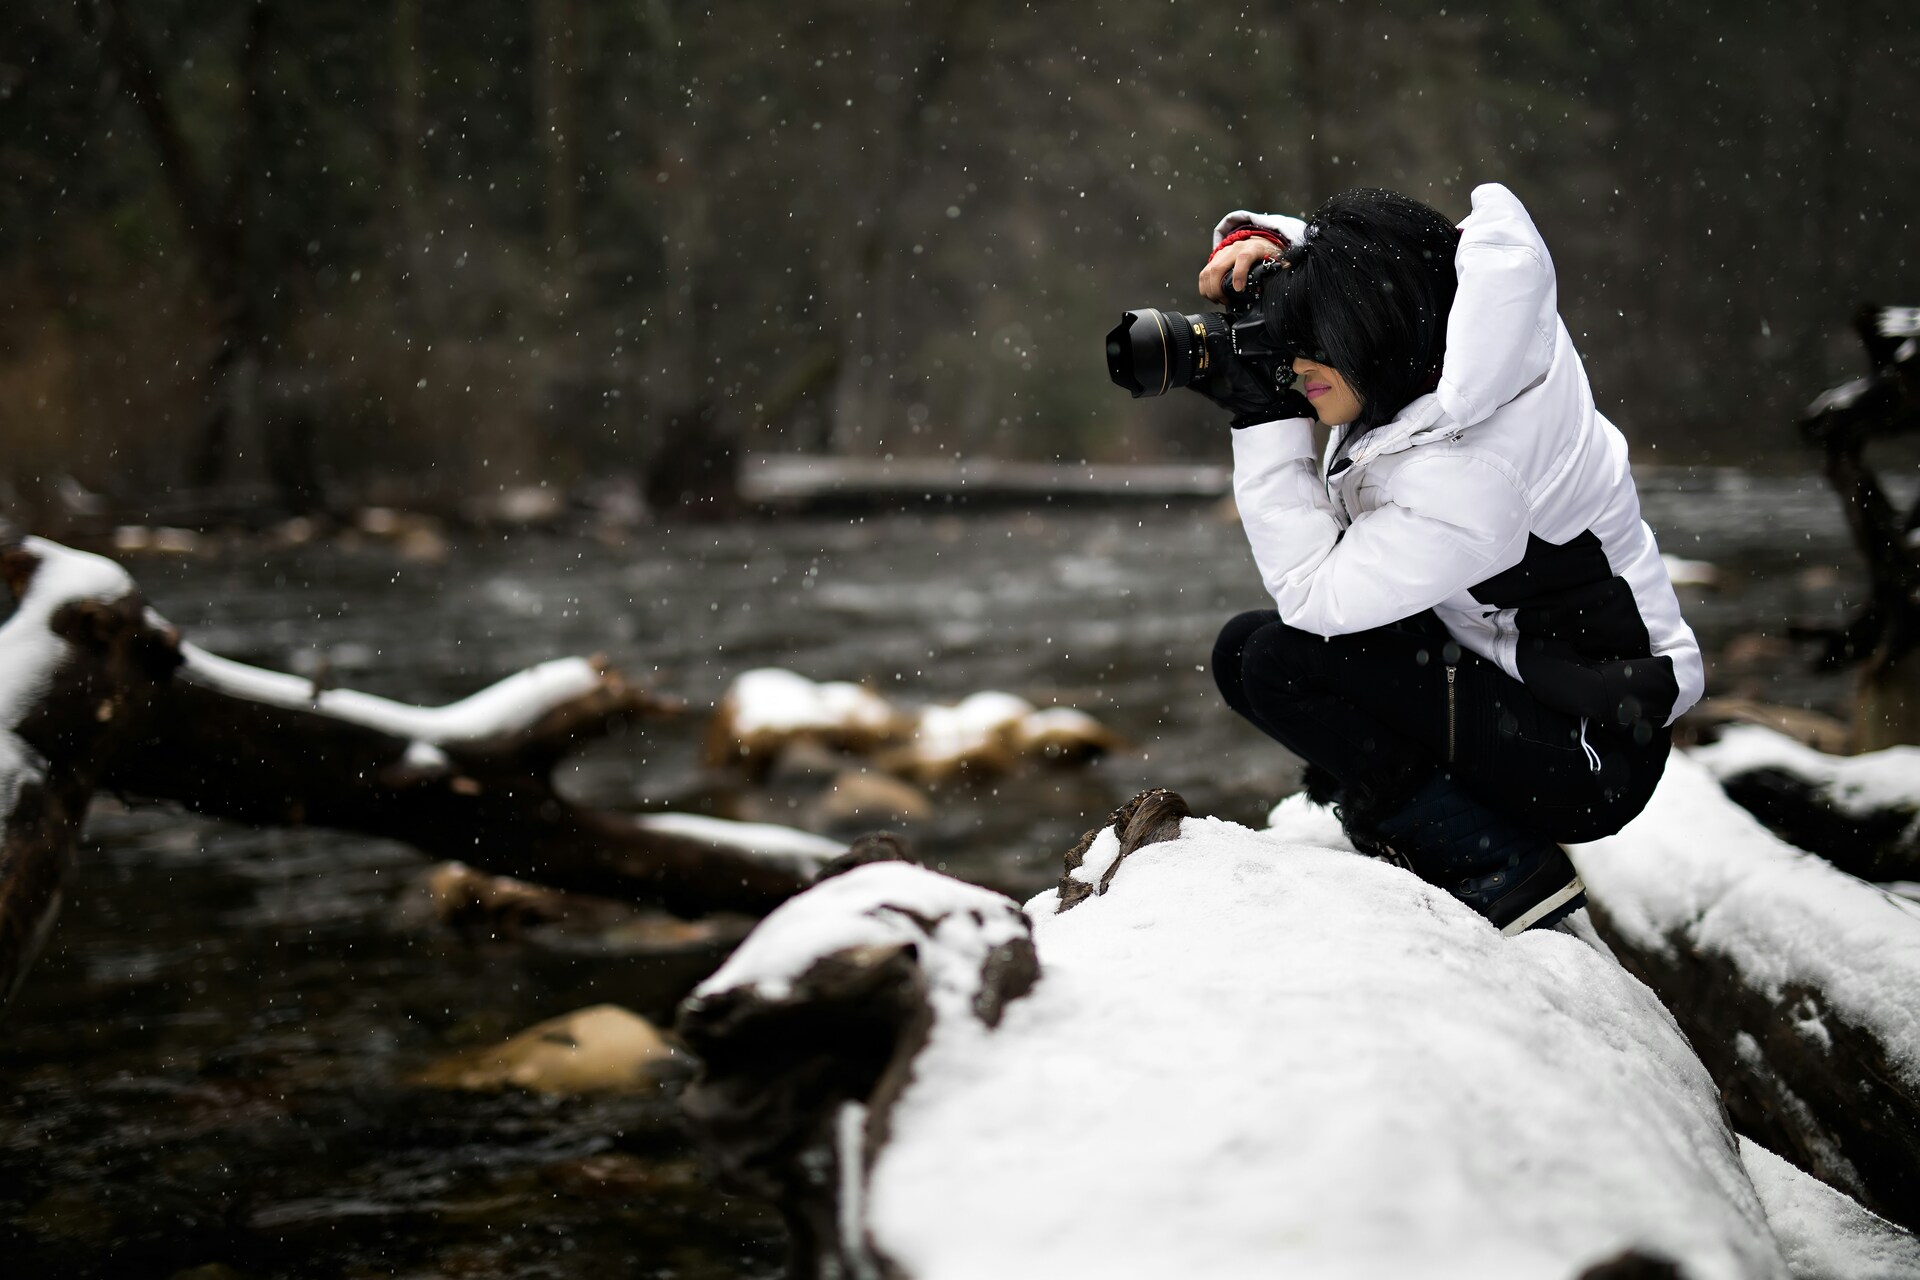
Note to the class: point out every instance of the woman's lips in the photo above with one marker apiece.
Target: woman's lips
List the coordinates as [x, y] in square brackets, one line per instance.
[1315, 390]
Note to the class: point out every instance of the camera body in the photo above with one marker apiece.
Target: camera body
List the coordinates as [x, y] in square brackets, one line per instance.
[1226, 356]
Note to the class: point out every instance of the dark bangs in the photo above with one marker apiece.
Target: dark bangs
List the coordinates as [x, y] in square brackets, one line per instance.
[1367, 293]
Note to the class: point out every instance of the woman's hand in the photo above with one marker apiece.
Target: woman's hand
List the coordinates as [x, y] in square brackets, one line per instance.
[1233, 262]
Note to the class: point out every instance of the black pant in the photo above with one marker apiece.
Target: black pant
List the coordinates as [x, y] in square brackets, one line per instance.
[1374, 710]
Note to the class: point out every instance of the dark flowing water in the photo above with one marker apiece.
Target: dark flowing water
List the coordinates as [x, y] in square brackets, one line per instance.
[207, 1073]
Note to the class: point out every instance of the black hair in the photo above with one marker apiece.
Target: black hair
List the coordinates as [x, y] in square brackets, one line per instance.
[1367, 292]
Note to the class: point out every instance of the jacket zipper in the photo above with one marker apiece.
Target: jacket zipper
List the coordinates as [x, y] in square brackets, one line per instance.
[1451, 672]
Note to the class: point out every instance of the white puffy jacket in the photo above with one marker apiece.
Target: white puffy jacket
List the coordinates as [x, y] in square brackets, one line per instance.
[1501, 500]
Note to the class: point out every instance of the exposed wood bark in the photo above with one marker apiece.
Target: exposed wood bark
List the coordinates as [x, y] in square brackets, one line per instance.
[1884, 636]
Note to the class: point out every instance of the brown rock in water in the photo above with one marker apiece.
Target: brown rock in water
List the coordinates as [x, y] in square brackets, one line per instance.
[600, 1049]
[481, 906]
[856, 794]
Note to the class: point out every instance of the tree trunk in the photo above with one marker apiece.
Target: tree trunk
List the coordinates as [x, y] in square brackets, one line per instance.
[1885, 635]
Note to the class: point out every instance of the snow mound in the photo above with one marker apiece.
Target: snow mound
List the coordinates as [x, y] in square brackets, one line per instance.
[1257, 1055]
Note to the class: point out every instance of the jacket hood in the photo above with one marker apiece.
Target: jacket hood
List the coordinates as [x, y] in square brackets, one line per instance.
[1500, 332]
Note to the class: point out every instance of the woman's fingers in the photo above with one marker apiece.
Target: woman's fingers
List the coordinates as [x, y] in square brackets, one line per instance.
[1233, 263]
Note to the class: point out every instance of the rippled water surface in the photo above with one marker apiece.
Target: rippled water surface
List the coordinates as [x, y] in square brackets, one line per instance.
[207, 1072]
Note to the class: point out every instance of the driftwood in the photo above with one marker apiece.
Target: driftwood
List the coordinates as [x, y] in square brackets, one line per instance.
[1883, 637]
[1794, 983]
[96, 691]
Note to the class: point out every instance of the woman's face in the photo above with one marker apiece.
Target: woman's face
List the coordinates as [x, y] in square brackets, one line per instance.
[1334, 402]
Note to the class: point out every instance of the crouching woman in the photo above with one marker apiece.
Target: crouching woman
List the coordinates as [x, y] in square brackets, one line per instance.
[1474, 645]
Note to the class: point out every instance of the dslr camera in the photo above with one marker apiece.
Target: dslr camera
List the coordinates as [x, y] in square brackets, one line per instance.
[1234, 358]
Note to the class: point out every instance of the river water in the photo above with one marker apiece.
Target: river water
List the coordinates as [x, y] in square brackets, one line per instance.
[208, 1071]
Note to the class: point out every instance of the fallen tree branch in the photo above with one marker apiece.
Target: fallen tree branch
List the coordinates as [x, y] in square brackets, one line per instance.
[97, 691]
[471, 781]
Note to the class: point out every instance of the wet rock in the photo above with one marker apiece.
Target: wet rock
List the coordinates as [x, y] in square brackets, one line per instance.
[599, 1049]
[805, 761]
[856, 795]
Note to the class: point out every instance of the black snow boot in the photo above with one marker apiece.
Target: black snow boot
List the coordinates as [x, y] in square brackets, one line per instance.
[1450, 838]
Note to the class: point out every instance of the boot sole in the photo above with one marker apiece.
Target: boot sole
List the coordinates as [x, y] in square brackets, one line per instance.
[1554, 902]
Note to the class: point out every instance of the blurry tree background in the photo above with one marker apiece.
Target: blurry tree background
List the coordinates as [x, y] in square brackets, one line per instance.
[418, 250]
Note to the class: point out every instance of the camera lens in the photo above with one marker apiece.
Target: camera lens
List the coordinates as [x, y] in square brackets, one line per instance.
[1151, 351]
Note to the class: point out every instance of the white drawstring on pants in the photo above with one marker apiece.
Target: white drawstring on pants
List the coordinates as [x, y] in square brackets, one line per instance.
[1593, 757]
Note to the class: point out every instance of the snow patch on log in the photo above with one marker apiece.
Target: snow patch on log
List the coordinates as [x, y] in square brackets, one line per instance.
[29, 650]
[1823, 1234]
[1230, 1044]
[1696, 870]
[1858, 785]
[799, 851]
[510, 706]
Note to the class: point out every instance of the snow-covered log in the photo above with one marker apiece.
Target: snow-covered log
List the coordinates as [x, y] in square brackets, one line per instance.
[80, 662]
[1799, 985]
[95, 689]
[1861, 813]
[1245, 1053]
[471, 781]
[1823, 1234]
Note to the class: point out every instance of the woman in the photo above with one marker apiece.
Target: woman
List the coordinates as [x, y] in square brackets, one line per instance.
[1474, 635]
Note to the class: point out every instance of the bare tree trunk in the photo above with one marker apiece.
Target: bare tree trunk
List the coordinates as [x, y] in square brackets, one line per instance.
[555, 50]
[1885, 636]
[919, 55]
[239, 440]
